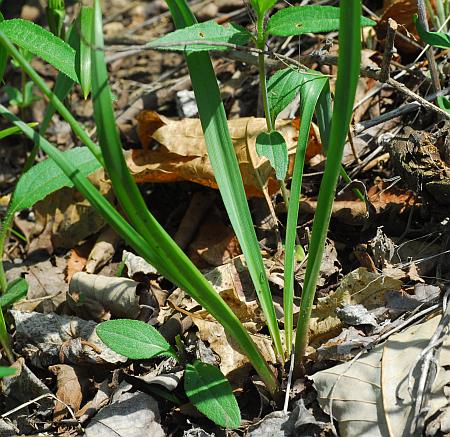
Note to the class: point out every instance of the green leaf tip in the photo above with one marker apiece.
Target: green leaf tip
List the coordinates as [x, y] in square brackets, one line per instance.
[133, 339]
[297, 20]
[273, 146]
[211, 393]
[435, 39]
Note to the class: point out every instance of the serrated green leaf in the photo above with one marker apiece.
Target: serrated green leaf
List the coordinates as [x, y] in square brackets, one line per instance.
[435, 39]
[7, 371]
[282, 88]
[297, 20]
[15, 291]
[207, 31]
[46, 177]
[133, 339]
[273, 146]
[211, 393]
[42, 43]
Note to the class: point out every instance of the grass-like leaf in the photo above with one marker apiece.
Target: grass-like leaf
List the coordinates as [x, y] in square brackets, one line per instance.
[211, 393]
[3, 55]
[347, 79]
[297, 20]
[273, 146]
[435, 39]
[226, 169]
[7, 371]
[207, 31]
[15, 291]
[310, 91]
[83, 25]
[42, 43]
[282, 87]
[166, 256]
[133, 339]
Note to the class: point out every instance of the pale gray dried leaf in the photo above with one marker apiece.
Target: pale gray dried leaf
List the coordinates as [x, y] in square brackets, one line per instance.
[24, 386]
[355, 315]
[118, 296]
[8, 429]
[131, 415]
[103, 250]
[135, 264]
[298, 422]
[345, 346]
[169, 381]
[43, 338]
[371, 395]
[46, 284]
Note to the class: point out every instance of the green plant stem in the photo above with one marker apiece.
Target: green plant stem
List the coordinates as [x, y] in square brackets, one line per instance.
[226, 169]
[261, 42]
[348, 72]
[4, 339]
[26, 67]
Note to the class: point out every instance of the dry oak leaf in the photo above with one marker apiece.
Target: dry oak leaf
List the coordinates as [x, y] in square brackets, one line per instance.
[181, 154]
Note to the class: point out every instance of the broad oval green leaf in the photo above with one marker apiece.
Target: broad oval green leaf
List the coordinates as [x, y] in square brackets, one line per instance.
[46, 177]
[435, 39]
[273, 146]
[133, 339]
[297, 20]
[42, 43]
[191, 38]
[15, 291]
[211, 393]
[7, 371]
[282, 87]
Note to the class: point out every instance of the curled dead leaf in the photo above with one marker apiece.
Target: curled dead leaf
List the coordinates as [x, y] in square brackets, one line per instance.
[181, 153]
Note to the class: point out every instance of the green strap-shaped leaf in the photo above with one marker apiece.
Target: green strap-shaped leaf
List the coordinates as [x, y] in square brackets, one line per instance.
[435, 39]
[15, 291]
[211, 393]
[282, 88]
[208, 31]
[347, 79]
[83, 25]
[297, 20]
[273, 146]
[133, 339]
[226, 169]
[309, 94]
[3, 56]
[443, 103]
[42, 43]
[7, 371]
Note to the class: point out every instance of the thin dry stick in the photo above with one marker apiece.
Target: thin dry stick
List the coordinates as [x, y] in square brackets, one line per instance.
[427, 371]
[421, 9]
[389, 50]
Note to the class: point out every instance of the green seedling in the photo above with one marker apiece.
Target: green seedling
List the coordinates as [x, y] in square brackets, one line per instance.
[204, 384]
[141, 230]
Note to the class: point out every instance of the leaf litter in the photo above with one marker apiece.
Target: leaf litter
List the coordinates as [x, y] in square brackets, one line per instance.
[403, 248]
